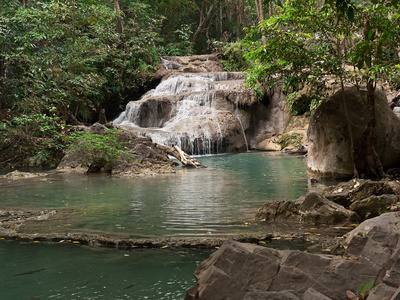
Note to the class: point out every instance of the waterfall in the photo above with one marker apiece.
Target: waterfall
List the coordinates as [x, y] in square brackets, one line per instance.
[185, 109]
[244, 134]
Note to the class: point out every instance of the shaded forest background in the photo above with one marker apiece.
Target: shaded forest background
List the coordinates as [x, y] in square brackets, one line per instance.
[64, 61]
[77, 56]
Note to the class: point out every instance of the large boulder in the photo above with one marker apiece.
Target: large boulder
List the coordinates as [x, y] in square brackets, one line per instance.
[246, 271]
[269, 117]
[329, 153]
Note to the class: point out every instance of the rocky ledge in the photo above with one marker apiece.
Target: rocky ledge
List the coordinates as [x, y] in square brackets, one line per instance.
[343, 204]
[246, 271]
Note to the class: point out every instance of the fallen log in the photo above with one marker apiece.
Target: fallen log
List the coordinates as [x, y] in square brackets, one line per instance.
[183, 157]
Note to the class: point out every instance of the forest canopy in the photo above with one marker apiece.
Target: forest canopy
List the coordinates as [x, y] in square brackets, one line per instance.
[82, 55]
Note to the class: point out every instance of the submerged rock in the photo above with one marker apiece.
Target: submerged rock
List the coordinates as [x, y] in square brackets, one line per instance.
[246, 271]
[22, 175]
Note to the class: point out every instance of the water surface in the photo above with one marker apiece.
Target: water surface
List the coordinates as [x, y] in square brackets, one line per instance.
[221, 199]
[53, 271]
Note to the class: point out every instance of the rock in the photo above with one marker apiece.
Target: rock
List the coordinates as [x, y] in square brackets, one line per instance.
[313, 208]
[22, 175]
[374, 205]
[396, 111]
[319, 210]
[345, 193]
[376, 240]
[269, 117]
[279, 210]
[328, 134]
[270, 144]
[246, 271]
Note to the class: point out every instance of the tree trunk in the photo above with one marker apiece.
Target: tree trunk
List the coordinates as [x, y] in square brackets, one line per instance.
[181, 156]
[120, 27]
[260, 14]
[205, 16]
[241, 20]
[366, 161]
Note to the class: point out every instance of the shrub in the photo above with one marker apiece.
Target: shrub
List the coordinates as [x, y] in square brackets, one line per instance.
[293, 138]
[97, 151]
[231, 56]
[36, 140]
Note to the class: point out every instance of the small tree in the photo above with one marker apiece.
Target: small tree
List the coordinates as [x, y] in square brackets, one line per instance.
[97, 151]
[306, 41]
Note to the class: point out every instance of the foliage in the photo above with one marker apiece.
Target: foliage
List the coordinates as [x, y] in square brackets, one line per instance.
[306, 42]
[37, 139]
[182, 45]
[297, 46]
[231, 56]
[287, 139]
[96, 151]
[69, 54]
[365, 288]
[304, 103]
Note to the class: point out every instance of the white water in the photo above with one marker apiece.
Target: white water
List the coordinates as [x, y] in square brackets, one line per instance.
[182, 110]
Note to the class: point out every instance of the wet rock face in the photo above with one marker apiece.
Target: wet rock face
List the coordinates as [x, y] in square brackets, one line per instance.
[328, 134]
[246, 271]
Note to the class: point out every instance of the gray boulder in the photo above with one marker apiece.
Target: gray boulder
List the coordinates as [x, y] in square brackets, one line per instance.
[374, 206]
[313, 208]
[246, 271]
[328, 134]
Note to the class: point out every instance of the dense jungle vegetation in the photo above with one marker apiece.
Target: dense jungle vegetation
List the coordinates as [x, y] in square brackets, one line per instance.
[62, 61]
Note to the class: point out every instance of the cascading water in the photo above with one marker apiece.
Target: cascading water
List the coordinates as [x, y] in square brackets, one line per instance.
[186, 110]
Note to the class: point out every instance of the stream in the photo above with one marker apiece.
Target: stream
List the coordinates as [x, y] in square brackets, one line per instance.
[219, 200]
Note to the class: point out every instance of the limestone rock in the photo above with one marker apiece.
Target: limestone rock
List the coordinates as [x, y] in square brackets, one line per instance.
[22, 175]
[246, 271]
[278, 210]
[269, 117]
[313, 208]
[346, 193]
[270, 144]
[373, 206]
[328, 134]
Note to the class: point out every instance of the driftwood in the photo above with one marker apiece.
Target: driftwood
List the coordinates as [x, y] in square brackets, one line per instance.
[183, 157]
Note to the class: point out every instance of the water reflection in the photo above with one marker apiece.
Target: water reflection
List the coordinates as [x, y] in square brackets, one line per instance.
[221, 199]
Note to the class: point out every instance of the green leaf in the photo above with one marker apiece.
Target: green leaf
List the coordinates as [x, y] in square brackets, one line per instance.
[379, 51]
[368, 61]
[366, 287]
[360, 63]
[350, 14]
